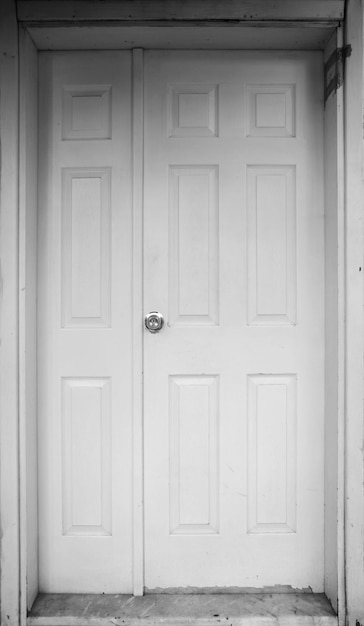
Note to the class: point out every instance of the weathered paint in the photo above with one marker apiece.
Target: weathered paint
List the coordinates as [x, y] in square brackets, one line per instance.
[175, 11]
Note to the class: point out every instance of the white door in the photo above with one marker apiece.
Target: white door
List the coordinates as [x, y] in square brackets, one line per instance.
[234, 261]
[233, 399]
[85, 358]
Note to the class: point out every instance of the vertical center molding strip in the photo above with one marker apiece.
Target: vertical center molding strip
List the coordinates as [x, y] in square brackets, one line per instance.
[137, 326]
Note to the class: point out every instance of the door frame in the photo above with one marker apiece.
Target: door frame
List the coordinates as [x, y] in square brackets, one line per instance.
[18, 202]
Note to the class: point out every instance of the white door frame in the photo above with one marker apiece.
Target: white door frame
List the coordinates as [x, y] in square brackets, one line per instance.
[17, 409]
[354, 253]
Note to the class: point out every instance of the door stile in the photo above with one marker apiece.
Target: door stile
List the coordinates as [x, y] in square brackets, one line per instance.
[137, 328]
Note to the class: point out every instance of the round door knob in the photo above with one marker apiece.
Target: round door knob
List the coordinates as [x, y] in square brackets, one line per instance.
[154, 322]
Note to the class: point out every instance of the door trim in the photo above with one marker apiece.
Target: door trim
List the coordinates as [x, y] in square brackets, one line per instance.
[334, 339]
[10, 454]
[354, 302]
[9, 296]
[138, 517]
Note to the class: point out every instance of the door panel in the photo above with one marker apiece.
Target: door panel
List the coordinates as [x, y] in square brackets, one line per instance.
[84, 364]
[234, 260]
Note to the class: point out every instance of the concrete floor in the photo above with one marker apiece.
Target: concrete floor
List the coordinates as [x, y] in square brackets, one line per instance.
[232, 609]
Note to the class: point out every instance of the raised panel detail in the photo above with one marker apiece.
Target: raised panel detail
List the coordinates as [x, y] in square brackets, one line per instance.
[272, 453]
[86, 248]
[194, 467]
[86, 112]
[271, 111]
[192, 110]
[193, 245]
[271, 244]
[86, 456]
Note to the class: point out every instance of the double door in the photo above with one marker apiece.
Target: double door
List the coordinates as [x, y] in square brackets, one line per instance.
[233, 383]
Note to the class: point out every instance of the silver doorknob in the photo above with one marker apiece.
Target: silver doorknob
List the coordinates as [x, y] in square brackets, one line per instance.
[154, 322]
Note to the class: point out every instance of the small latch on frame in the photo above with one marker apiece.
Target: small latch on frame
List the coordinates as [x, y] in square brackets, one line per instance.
[334, 70]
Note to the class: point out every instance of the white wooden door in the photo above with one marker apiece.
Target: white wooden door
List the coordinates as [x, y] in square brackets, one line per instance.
[233, 399]
[234, 382]
[84, 338]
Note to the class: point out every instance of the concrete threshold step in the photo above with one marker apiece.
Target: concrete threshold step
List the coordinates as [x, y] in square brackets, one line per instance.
[218, 609]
